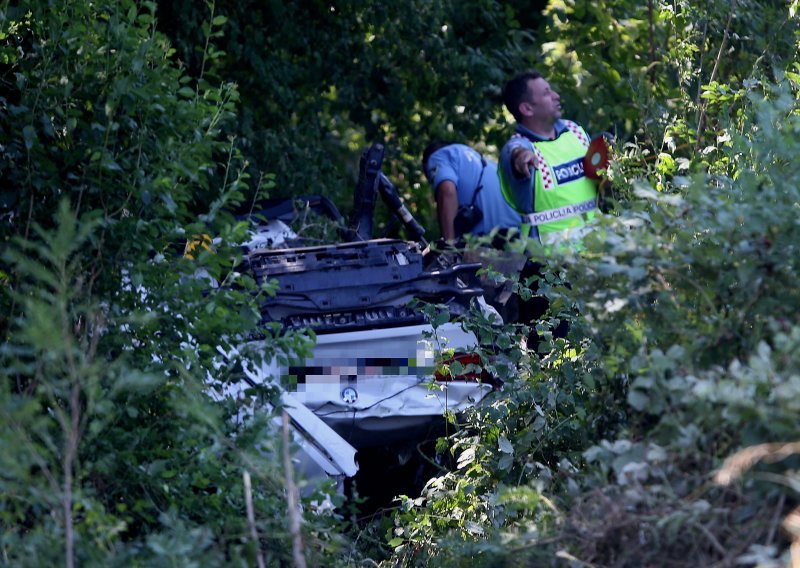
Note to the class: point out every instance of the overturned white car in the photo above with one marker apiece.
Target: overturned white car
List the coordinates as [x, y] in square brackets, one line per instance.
[377, 380]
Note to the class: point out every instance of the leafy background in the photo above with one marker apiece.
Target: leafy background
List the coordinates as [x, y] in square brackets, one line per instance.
[663, 428]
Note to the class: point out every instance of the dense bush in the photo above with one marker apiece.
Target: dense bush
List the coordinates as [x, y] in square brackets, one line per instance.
[682, 354]
[622, 445]
[118, 449]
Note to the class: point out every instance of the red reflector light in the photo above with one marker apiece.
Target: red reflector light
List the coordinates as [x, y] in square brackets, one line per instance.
[474, 373]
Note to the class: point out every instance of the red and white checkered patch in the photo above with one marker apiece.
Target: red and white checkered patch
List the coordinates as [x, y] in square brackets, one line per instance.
[547, 176]
[577, 131]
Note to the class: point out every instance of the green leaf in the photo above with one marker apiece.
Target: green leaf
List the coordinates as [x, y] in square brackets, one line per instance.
[638, 400]
[29, 135]
[466, 458]
[441, 318]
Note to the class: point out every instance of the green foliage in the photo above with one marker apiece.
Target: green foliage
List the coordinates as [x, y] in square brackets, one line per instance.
[682, 346]
[320, 81]
[122, 443]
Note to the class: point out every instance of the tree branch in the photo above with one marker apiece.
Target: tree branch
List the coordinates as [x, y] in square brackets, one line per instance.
[251, 517]
[291, 497]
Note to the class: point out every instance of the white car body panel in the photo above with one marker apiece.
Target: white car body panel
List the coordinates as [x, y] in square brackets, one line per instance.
[375, 385]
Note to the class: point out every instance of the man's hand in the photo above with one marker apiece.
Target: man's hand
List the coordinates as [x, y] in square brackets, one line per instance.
[522, 161]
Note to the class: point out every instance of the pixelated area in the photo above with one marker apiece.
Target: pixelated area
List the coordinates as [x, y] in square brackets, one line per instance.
[345, 370]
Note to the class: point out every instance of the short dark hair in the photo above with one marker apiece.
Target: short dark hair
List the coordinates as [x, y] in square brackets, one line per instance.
[516, 90]
[431, 148]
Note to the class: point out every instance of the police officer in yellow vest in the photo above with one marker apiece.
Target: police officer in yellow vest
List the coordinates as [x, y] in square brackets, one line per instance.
[541, 166]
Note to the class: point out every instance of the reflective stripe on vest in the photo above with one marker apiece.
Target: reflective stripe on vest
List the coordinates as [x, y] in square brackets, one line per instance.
[559, 206]
[559, 213]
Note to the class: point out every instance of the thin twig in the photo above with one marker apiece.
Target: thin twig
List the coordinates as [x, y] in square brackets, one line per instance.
[776, 520]
[429, 459]
[651, 18]
[697, 100]
[251, 517]
[213, 6]
[700, 123]
[70, 451]
[291, 497]
[711, 538]
[256, 193]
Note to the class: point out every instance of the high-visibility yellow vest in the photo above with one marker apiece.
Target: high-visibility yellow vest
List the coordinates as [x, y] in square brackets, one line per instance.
[564, 198]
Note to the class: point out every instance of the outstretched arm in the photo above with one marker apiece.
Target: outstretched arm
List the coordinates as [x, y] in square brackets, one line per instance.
[518, 188]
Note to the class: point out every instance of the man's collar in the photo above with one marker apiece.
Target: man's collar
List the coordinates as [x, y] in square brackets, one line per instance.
[560, 126]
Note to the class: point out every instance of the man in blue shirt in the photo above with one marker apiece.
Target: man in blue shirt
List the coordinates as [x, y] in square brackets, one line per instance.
[460, 176]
